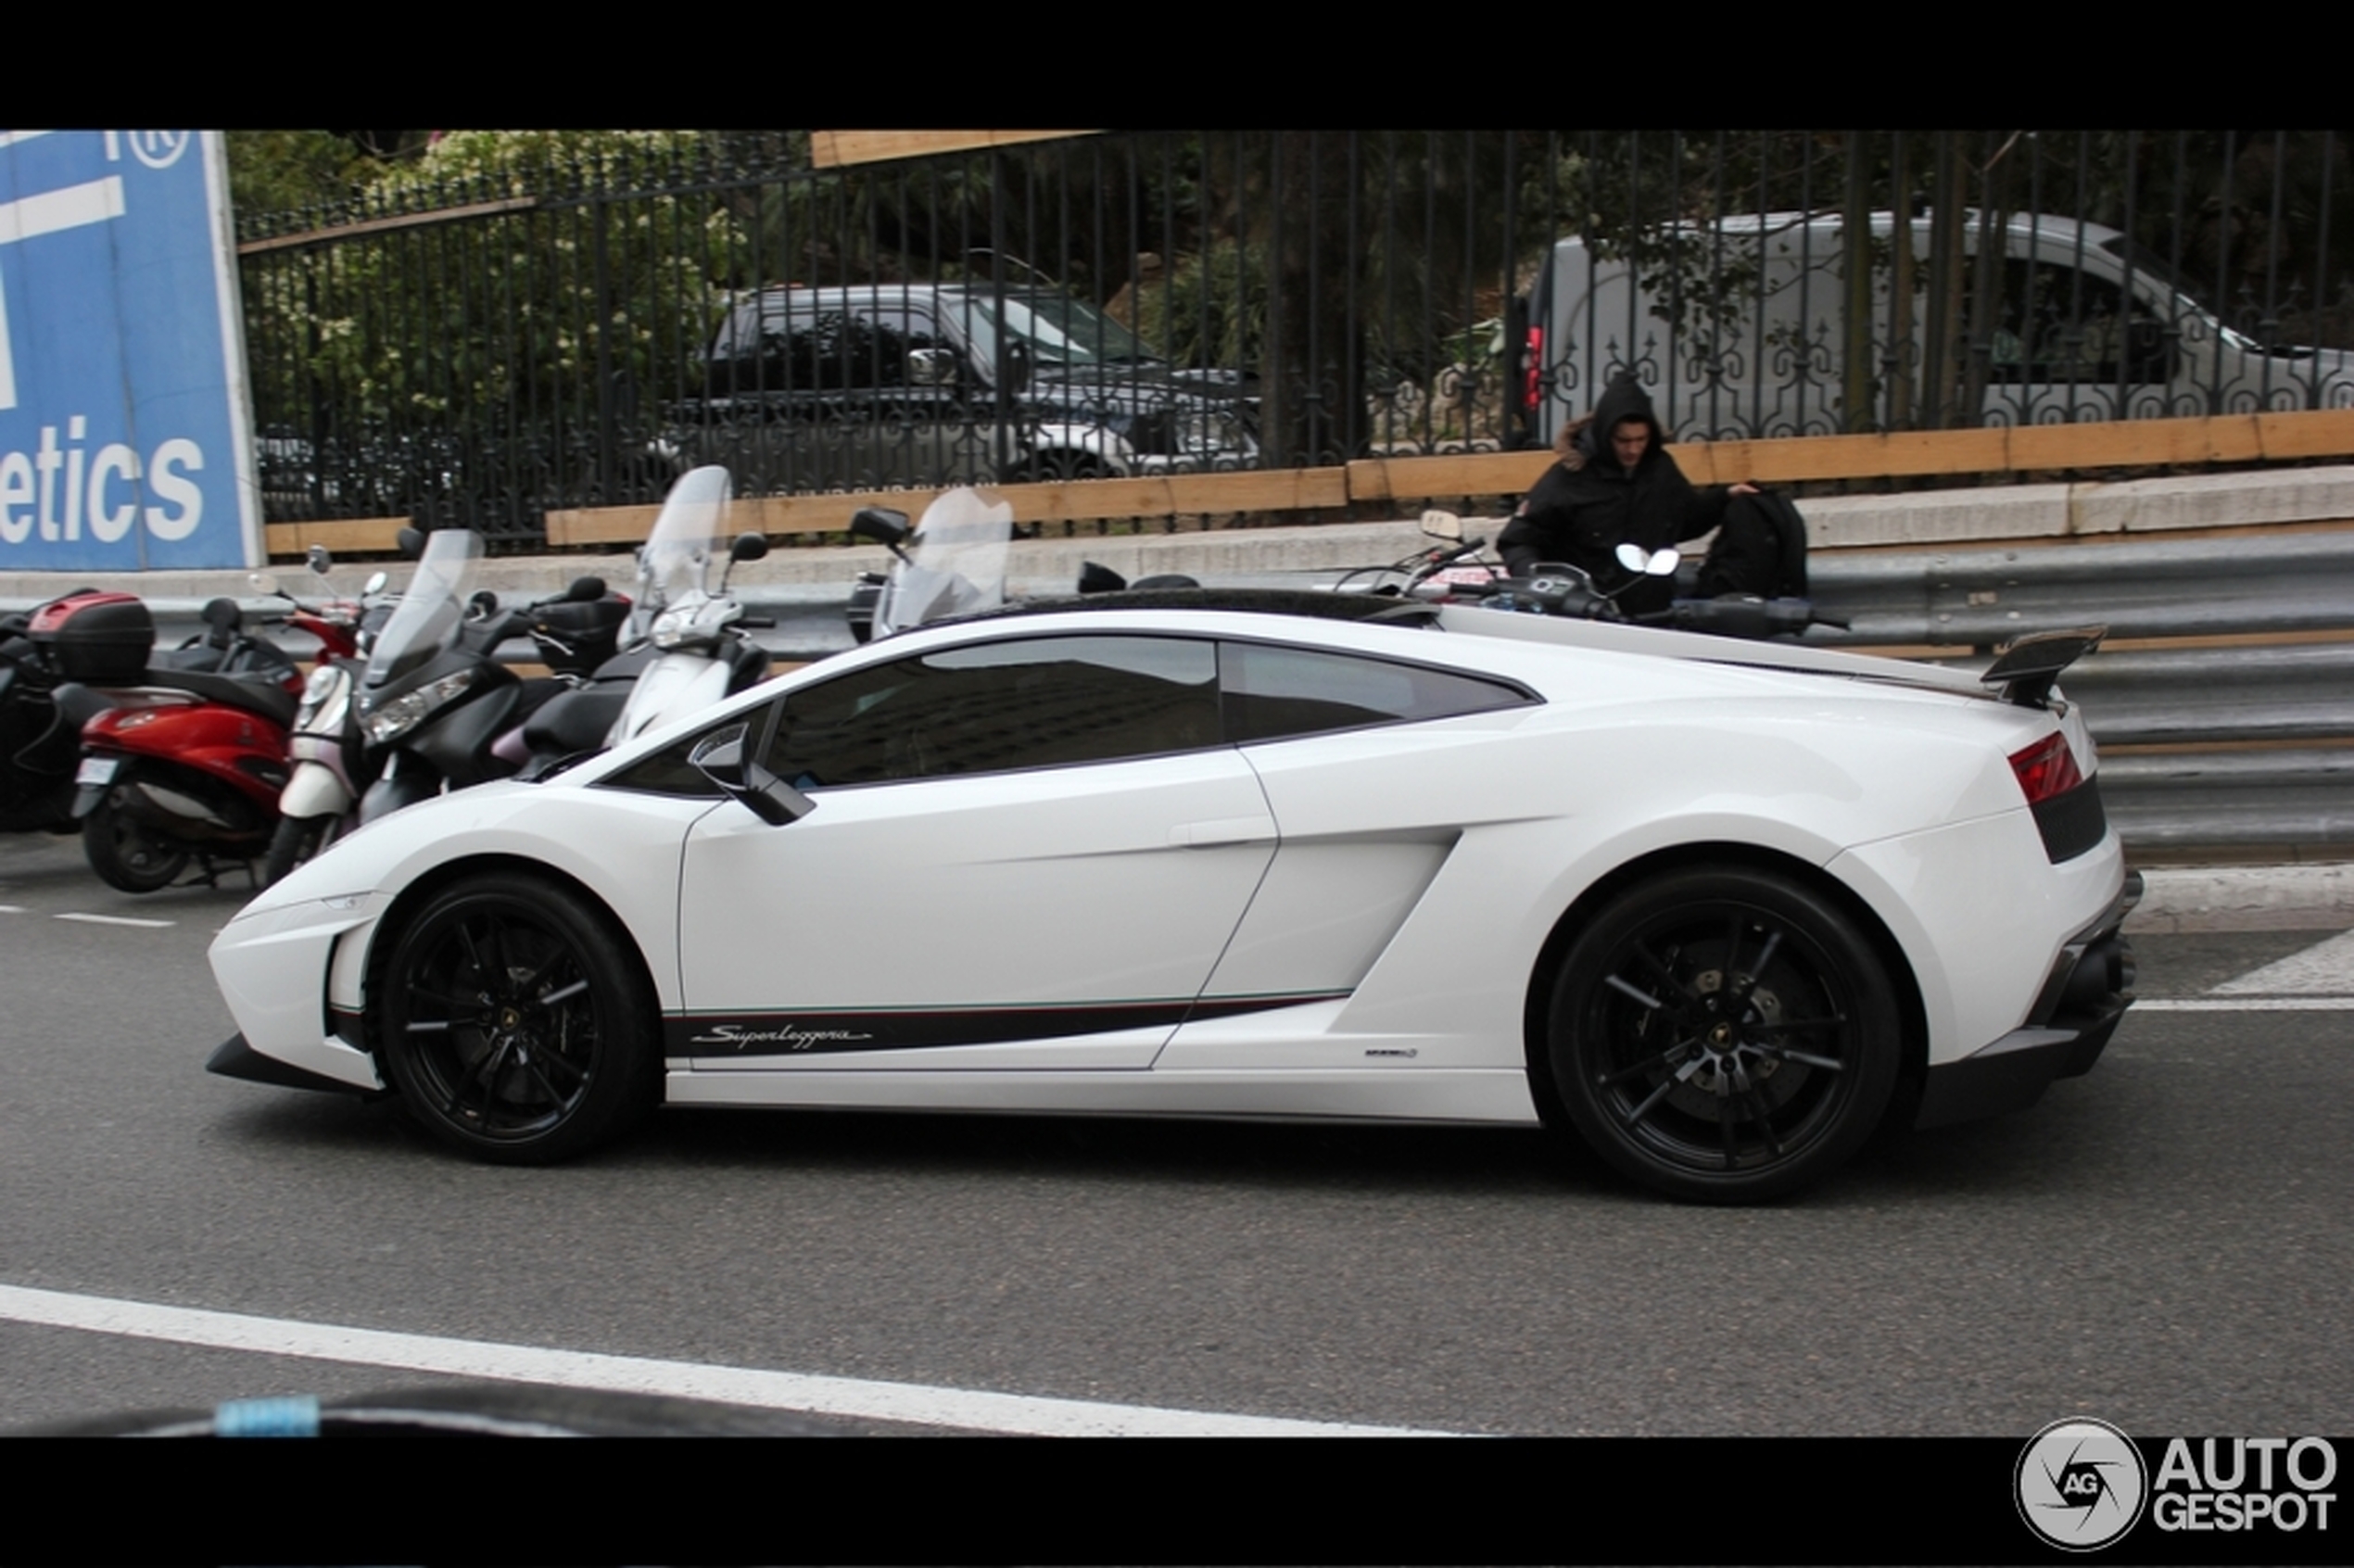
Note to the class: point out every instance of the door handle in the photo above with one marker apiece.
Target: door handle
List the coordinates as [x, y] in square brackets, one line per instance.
[1224, 830]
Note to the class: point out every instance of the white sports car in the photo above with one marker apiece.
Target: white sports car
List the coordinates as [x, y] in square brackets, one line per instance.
[1719, 909]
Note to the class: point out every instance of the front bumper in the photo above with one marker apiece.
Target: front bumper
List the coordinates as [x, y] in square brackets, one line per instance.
[2090, 986]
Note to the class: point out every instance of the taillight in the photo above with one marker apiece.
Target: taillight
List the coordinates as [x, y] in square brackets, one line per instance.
[2047, 769]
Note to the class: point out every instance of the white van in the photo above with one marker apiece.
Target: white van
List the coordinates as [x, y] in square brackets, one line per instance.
[1742, 336]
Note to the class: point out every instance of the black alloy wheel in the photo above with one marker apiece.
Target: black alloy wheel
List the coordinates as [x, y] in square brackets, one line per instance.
[516, 1025]
[1724, 1035]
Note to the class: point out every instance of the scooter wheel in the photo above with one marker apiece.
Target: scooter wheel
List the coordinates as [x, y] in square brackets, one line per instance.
[126, 853]
[295, 839]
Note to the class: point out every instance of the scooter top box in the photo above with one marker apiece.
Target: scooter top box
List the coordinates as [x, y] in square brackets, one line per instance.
[94, 637]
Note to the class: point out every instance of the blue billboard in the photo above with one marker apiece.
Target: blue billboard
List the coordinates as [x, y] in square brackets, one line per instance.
[125, 439]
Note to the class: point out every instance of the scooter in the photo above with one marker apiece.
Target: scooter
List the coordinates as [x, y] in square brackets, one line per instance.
[187, 762]
[435, 700]
[51, 659]
[323, 755]
[692, 647]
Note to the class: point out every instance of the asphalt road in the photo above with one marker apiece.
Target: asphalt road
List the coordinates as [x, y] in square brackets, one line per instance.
[2162, 1244]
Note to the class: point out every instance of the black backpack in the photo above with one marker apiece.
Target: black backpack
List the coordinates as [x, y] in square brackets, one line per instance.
[1761, 548]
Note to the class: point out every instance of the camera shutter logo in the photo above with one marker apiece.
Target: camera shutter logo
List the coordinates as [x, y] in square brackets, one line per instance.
[2080, 1484]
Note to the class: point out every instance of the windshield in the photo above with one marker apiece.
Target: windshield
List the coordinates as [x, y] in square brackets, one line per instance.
[955, 562]
[686, 537]
[431, 608]
[1058, 330]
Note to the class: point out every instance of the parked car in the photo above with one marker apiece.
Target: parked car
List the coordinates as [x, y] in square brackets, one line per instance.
[1721, 911]
[1740, 327]
[945, 384]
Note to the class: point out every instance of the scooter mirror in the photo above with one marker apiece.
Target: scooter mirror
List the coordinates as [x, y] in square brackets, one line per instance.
[320, 560]
[264, 582]
[749, 547]
[1648, 564]
[883, 524]
[1440, 523]
[411, 542]
[375, 584]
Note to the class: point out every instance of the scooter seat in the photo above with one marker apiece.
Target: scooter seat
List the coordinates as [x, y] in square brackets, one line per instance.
[259, 696]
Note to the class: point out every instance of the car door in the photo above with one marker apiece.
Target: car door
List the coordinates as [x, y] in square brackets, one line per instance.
[1028, 851]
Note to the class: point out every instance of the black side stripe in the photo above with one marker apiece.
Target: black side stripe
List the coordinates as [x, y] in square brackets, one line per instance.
[805, 1033]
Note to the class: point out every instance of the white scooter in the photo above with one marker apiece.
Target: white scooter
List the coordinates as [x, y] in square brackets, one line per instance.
[691, 648]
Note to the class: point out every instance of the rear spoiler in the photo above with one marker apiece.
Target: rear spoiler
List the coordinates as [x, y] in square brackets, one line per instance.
[2024, 672]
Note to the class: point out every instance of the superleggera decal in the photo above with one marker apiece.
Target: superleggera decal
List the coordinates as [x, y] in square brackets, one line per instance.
[779, 1034]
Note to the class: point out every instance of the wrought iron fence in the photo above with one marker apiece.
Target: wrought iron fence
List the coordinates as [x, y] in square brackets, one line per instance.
[483, 345]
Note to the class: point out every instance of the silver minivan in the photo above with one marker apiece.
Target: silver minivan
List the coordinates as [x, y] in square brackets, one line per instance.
[1737, 329]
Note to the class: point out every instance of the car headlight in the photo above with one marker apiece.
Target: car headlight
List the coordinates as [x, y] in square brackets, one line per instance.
[407, 711]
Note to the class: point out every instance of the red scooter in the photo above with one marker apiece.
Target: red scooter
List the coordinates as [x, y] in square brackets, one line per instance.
[187, 764]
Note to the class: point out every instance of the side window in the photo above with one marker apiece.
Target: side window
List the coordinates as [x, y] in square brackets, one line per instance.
[1029, 702]
[2062, 325]
[1272, 692]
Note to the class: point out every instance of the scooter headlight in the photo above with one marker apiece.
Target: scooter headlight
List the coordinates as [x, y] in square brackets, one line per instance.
[407, 711]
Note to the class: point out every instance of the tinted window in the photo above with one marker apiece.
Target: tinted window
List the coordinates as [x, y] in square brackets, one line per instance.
[1031, 702]
[1272, 692]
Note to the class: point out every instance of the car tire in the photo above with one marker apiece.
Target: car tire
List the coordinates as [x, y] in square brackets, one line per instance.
[126, 853]
[515, 1024]
[1724, 1035]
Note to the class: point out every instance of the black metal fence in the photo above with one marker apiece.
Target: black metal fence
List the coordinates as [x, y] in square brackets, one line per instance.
[500, 331]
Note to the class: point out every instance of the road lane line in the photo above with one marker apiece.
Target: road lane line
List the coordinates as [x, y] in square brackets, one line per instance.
[117, 920]
[2324, 969]
[2244, 1004]
[1017, 1413]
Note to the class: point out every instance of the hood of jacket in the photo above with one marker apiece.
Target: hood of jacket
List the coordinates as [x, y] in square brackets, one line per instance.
[1623, 399]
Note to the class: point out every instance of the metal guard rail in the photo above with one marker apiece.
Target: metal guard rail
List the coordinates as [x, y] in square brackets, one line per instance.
[2248, 745]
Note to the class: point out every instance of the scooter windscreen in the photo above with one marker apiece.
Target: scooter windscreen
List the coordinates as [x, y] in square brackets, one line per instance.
[687, 538]
[431, 609]
[954, 564]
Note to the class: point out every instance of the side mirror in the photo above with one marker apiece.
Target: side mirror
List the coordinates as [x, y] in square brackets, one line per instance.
[320, 560]
[748, 547]
[1648, 564]
[1095, 577]
[411, 542]
[482, 605]
[931, 367]
[265, 582]
[222, 615]
[720, 758]
[1442, 525]
[880, 525]
[375, 584]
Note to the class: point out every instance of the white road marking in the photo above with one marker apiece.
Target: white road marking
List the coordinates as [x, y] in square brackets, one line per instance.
[117, 920]
[963, 1409]
[12, 909]
[2324, 969]
[2244, 1004]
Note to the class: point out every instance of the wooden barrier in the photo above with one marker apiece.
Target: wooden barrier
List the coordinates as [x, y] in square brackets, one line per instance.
[2244, 437]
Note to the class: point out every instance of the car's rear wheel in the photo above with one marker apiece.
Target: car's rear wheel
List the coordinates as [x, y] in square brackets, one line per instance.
[1724, 1034]
[515, 1024]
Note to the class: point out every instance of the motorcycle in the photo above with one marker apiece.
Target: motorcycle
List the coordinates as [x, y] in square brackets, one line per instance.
[952, 562]
[185, 763]
[435, 699]
[691, 651]
[323, 755]
[52, 658]
[1556, 589]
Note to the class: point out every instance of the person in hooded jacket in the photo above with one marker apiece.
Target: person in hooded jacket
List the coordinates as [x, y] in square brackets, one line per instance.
[1614, 484]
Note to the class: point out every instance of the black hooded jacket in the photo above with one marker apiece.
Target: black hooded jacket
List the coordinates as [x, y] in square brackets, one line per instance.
[1585, 506]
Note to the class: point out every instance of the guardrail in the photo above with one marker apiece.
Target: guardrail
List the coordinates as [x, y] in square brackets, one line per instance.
[2224, 702]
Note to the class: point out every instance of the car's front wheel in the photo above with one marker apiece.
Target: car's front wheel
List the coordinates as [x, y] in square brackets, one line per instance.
[516, 1025]
[1724, 1034]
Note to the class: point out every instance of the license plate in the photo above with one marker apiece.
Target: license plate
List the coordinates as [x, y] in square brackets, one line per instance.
[98, 770]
